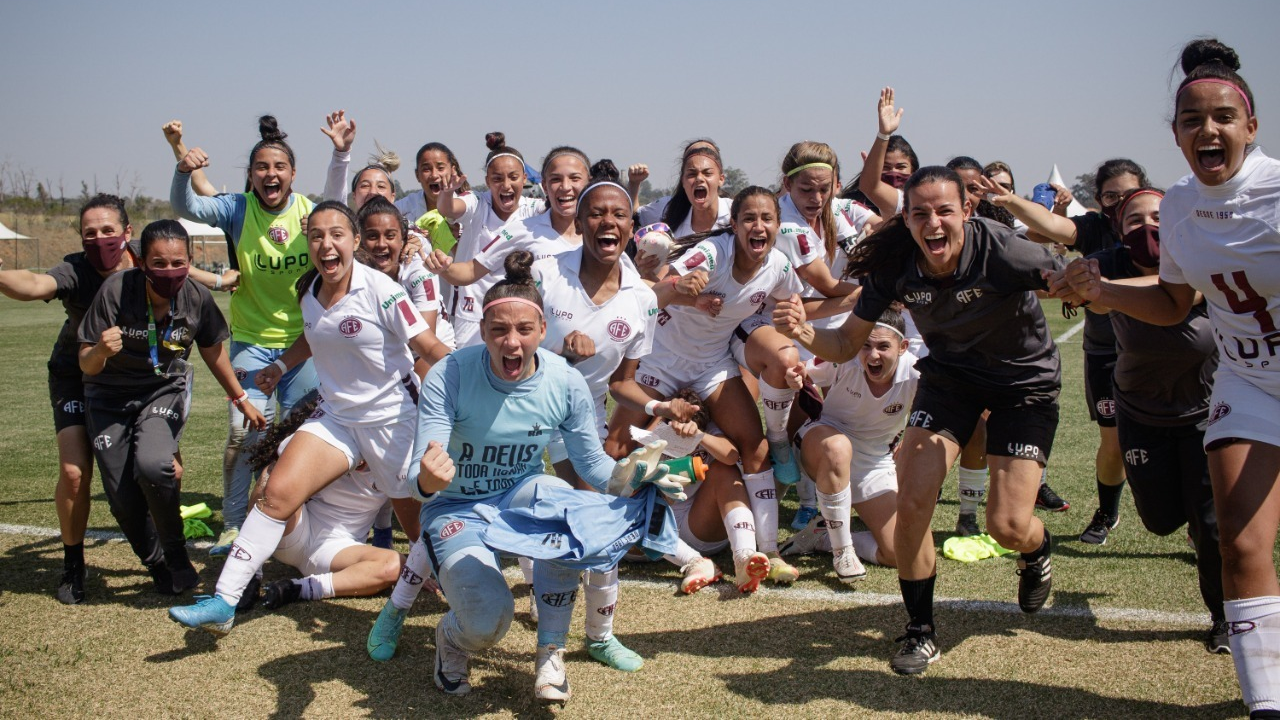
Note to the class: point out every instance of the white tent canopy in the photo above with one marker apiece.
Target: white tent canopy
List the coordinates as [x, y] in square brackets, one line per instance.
[195, 229]
[7, 234]
[1075, 208]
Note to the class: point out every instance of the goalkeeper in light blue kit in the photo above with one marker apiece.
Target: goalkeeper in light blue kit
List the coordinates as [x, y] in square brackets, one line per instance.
[484, 418]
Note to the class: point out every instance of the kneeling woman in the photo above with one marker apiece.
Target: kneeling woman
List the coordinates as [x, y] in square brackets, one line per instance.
[135, 341]
[487, 415]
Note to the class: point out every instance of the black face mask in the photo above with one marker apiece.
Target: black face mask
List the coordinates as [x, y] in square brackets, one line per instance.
[1143, 244]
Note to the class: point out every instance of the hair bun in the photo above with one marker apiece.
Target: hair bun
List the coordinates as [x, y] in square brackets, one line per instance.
[495, 141]
[605, 170]
[1207, 51]
[386, 158]
[518, 266]
[269, 129]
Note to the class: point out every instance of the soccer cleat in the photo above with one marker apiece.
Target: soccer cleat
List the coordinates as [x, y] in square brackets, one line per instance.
[847, 565]
[71, 590]
[749, 573]
[252, 592]
[1035, 580]
[452, 673]
[1099, 527]
[919, 650]
[210, 613]
[967, 525]
[550, 684]
[382, 538]
[781, 572]
[1216, 642]
[223, 546]
[803, 516]
[161, 578]
[785, 468]
[1047, 499]
[613, 653]
[697, 575]
[808, 540]
[283, 592]
[385, 633]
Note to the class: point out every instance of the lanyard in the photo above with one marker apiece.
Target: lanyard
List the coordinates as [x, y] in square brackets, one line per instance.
[152, 337]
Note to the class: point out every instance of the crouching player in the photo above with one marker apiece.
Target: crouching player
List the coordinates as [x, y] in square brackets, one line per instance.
[848, 448]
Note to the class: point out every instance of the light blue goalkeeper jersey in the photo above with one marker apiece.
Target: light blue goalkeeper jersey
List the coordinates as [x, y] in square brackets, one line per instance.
[496, 431]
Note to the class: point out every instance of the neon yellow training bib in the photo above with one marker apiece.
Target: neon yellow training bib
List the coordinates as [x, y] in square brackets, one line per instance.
[272, 252]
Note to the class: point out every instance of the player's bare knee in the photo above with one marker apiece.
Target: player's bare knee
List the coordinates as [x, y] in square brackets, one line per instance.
[1008, 530]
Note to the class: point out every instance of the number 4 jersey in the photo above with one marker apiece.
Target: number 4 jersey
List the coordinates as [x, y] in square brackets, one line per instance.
[1224, 241]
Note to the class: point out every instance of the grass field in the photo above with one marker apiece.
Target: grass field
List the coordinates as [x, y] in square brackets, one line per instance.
[1121, 637]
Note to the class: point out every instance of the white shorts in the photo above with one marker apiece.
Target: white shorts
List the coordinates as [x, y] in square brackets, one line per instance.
[738, 340]
[870, 476]
[1240, 409]
[681, 511]
[311, 546]
[556, 449]
[386, 449]
[667, 374]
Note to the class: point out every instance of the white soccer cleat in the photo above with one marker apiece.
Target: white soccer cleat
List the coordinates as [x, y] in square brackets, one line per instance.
[697, 575]
[550, 684]
[781, 572]
[748, 573]
[847, 565]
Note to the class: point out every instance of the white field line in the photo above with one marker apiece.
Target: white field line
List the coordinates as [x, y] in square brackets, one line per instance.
[1070, 332]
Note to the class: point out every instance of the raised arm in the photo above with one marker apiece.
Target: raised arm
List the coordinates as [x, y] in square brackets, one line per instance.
[173, 134]
[1042, 224]
[342, 132]
[882, 194]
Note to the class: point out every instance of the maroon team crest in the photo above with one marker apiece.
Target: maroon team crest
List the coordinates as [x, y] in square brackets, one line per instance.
[695, 260]
[278, 234]
[451, 528]
[757, 298]
[803, 240]
[893, 408]
[619, 330]
[350, 326]
[1220, 411]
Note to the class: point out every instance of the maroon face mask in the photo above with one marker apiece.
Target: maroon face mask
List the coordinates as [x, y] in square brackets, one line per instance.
[1109, 213]
[897, 180]
[104, 253]
[1143, 244]
[166, 281]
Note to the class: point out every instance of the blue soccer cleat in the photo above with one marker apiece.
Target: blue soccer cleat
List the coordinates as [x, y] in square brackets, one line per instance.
[385, 634]
[785, 468]
[210, 613]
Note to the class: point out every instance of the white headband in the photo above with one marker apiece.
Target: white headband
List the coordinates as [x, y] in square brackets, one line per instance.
[892, 328]
[505, 154]
[602, 183]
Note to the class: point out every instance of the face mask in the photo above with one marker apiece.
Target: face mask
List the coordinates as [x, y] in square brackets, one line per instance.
[897, 180]
[1143, 244]
[166, 281]
[104, 253]
[1109, 213]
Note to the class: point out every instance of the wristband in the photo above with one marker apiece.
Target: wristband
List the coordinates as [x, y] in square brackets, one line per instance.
[217, 283]
[649, 407]
[280, 364]
[238, 401]
[882, 136]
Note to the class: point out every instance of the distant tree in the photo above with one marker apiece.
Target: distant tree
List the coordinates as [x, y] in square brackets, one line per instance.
[649, 193]
[735, 180]
[1082, 189]
[84, 191]
[41, 194]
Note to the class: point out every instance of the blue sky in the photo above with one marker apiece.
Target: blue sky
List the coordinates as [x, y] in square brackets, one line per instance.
[88, 85]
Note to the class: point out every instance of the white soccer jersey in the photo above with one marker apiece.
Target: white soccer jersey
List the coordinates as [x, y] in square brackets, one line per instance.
[534, 234]
[359, 347]
[855, 216]
[652, 213]
[481, 228]
[798, 241]
[424, 291]
[871, 422]
[691, 334]
[621, 328]
[1225, 242]
[412, 206]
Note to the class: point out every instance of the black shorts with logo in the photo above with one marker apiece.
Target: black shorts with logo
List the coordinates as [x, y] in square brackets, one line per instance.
[66, 394]
[1099, 389]
[1022, 424]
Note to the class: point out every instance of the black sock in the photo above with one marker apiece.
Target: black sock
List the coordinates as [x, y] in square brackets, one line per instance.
[1039, 552]
[1109, 498]
[918, 597]
[1264, 715]
[73, 555]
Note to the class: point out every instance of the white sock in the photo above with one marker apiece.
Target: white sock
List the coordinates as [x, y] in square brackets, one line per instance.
[383, 518]
[740, 526]
[973, 486]
[807, 491]
[836, 510]
[316, 587]
[602, 599]
[411, 576]
[865, 545]
[1255, 635]
[762, 493]
[684, 554]
[526, 568]
[777, 410]
[259, 536]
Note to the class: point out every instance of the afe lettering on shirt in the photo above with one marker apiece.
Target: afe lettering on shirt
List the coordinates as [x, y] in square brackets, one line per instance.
[967, 296]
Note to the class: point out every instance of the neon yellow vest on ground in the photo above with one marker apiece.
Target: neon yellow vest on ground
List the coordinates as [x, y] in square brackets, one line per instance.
[272, 253]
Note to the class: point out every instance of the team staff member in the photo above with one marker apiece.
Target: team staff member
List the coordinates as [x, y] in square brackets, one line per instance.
[360, 325]
[135, 340]
[1219, 238]
[971, 287]
[104, 233]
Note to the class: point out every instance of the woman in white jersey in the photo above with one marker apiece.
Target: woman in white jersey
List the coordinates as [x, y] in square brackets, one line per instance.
[848, 449]
[696, 206]
[484, 217]
[360, 326]
[745, 273]
[1218, 237]
[435, 164]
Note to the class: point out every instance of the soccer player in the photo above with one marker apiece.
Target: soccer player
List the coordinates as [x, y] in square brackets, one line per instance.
[696, 206]
[1218, 238]
[134, 343]
[970, 285]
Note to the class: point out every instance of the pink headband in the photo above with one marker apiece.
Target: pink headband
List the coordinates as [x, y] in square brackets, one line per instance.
[1247, 106]
[1136, 193]
[500, 301]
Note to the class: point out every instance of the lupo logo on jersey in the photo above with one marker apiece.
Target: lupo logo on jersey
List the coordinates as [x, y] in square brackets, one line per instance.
[451, 528]
[278, 234]
[350, 326]
[619, 330]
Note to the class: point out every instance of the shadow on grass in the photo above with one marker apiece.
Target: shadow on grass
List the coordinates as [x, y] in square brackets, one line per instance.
[35, 568]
